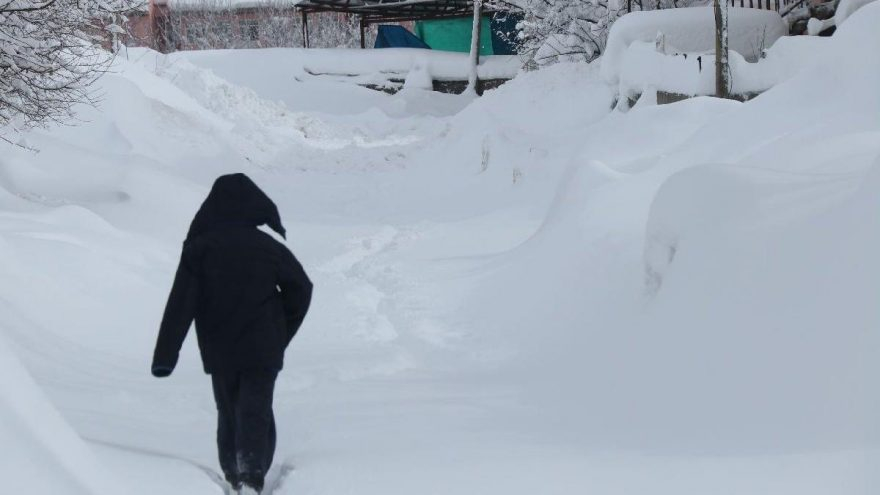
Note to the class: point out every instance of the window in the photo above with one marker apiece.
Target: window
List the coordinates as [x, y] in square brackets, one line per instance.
[250, 29]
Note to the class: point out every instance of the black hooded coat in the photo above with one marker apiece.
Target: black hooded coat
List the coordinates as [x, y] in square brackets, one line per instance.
[246, 291]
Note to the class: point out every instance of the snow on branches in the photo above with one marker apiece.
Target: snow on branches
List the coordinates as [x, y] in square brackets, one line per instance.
[50, 54]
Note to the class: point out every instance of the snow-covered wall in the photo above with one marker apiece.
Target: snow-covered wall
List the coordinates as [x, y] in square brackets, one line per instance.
[691, 30]
[643, 68]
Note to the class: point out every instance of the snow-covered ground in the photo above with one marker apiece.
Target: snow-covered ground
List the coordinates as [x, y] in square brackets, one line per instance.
[525, 293]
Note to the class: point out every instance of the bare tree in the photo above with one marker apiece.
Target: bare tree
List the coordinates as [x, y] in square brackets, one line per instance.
[50, 54]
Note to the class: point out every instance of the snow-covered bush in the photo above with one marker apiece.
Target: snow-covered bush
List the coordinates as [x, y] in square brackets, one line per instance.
[50, 55]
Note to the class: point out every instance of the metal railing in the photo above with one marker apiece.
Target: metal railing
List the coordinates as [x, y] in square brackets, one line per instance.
[784, 7]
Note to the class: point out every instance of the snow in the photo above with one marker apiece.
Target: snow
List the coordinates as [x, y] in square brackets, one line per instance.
[816, 26]
[43, 454]
[292, 62]
[418, 77]
[846, 8]
[690, 30]
[642, 66]
[522, 293]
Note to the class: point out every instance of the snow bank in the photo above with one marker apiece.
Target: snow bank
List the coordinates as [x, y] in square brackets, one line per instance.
[642, 66]
[41, 453]
[355, 62]
[691, 30]
[772, 255]
[332, 80]
[846, 8]
[749, 323]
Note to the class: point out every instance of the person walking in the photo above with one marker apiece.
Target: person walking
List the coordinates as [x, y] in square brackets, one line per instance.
[248, 295]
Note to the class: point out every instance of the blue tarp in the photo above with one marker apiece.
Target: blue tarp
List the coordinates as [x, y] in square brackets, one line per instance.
[391, 36]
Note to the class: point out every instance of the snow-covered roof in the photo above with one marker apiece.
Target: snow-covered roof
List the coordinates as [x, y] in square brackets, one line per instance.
[394, 9]
[227, 4]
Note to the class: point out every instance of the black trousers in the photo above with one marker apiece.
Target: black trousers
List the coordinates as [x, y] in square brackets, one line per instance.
[245, 424]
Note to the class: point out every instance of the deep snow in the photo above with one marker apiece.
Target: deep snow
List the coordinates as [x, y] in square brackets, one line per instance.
[528, 292]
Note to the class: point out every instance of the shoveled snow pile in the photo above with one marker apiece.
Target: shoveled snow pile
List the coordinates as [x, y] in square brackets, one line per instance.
[691, 30]
[524, 293]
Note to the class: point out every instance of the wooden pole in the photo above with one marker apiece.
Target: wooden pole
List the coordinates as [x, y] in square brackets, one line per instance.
[305, 27]
[474, 78]
[722, 70]
[305, 23]
[363, 33]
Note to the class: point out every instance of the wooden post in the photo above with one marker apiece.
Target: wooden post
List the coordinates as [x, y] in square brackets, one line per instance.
[363, 33]
[305, 29]
[474, 78]
[629, 5]
[722, 69]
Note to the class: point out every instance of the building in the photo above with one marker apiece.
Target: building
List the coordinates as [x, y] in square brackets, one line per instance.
[171, 25]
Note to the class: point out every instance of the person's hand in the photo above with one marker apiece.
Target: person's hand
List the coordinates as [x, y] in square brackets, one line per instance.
[161, 371]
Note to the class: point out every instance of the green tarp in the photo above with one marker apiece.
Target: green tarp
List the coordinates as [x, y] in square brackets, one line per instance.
[454, 35]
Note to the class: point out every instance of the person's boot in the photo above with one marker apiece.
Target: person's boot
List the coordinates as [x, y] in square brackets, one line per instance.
[248, 490]
[234, 483]
[252, 484]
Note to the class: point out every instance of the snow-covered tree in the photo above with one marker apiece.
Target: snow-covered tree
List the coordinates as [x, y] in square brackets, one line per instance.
[50, 54]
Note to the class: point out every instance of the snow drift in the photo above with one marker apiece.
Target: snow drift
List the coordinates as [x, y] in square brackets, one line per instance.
[42, 454]
[753, 326]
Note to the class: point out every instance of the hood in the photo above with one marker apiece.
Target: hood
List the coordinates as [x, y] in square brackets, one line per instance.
[235, 200]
